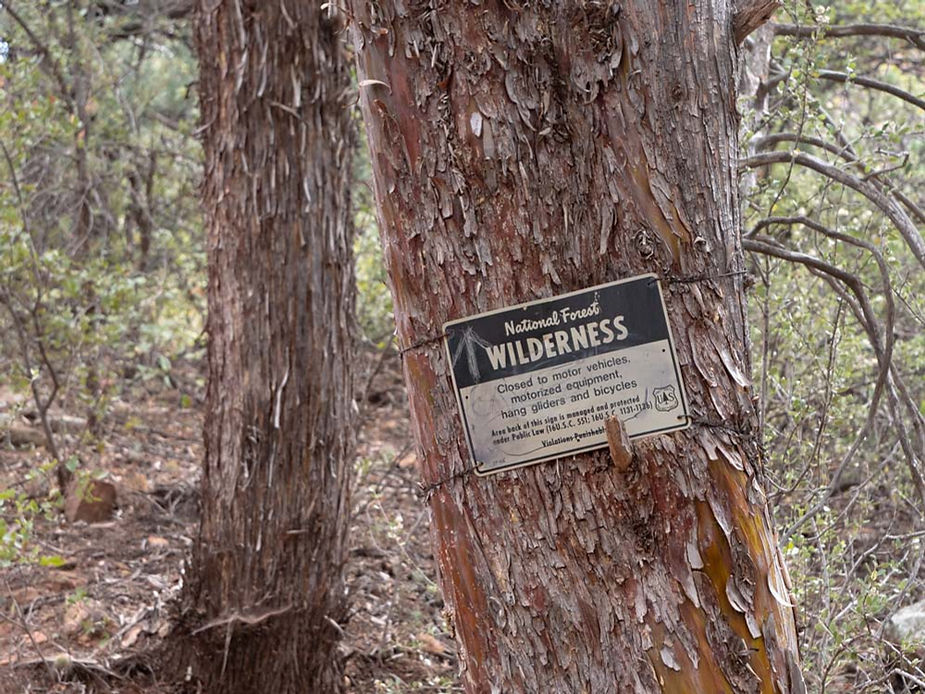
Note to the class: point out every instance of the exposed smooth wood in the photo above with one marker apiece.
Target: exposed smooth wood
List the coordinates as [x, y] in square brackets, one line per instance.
[621, 448]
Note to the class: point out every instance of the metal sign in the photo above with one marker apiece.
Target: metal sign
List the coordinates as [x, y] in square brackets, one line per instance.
[536, 381]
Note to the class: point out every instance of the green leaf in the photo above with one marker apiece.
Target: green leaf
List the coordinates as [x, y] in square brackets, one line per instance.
[52, 561]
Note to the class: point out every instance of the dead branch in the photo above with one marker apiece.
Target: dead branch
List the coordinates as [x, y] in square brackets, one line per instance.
[248, 618]
[621, 448]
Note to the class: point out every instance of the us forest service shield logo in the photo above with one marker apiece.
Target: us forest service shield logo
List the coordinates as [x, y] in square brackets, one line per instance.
[665, 398]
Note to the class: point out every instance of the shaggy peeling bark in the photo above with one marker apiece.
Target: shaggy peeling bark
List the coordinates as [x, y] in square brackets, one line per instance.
[266, 581]
[521, 153]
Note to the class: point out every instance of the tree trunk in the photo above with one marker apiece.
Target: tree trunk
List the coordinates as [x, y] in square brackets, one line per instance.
[266, 577]
[520, 152]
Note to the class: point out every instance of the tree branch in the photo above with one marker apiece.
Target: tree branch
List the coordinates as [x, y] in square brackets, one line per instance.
[768, 141]
[881, 339]
[765, 246]
[849, 154]
[896, 214]
[873, 84]
[910, 205]
[913, 36]
[140, 16]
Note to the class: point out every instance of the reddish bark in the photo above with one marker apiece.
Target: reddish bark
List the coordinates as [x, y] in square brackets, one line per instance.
[522, 152]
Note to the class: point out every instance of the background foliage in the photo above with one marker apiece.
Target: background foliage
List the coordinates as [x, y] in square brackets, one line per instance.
[101, 257]
[101, 240]
[844, 464]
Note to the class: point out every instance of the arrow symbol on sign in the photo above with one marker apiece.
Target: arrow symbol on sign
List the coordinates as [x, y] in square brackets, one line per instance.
[467, 344]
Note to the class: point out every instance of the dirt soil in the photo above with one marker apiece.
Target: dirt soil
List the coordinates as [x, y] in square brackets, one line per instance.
[90, 623]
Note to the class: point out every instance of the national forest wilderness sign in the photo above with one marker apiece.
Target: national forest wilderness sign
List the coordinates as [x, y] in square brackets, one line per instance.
[536, 381]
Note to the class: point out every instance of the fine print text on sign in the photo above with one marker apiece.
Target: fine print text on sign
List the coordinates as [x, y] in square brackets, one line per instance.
[536, 381]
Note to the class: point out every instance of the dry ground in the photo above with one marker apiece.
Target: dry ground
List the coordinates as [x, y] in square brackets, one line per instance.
[90, 624]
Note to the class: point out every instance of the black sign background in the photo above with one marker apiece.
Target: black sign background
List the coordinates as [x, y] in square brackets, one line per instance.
[638, 300]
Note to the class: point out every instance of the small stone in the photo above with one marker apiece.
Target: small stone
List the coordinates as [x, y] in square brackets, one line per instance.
[131, 636]
[431, 644]
[92, 501]
[908, 624]
[906, 628]
[22, 436]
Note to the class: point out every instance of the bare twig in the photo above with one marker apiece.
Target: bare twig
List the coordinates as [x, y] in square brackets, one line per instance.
[248, 618]
[25, 627]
